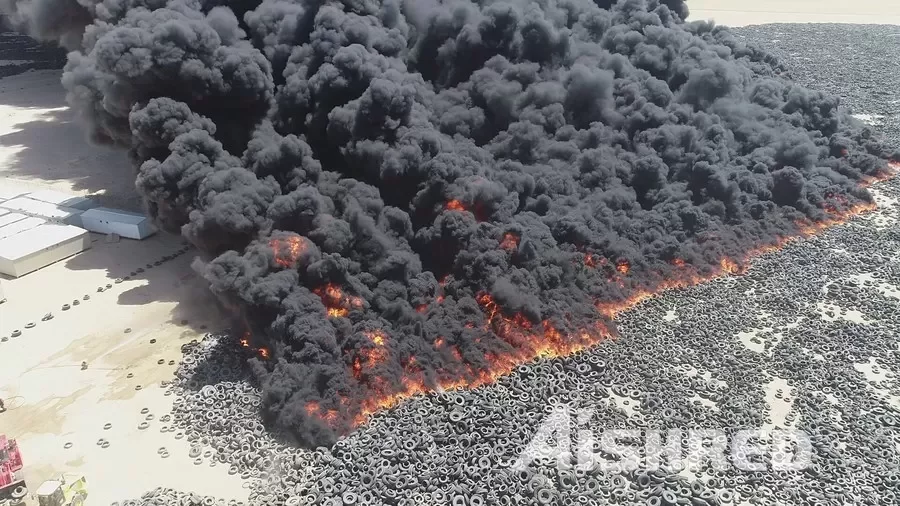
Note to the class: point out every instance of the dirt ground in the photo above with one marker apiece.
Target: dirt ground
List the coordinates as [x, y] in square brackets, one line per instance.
[122, 334]
[51, 400]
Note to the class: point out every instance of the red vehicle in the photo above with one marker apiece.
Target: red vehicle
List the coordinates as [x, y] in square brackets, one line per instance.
[12, 478]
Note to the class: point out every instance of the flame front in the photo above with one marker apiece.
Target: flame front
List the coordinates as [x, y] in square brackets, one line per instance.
[527, 339]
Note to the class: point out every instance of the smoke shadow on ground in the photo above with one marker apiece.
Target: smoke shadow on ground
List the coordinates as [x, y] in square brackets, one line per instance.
[34, 90]
[41, 142]
[159, 268]
[52, 148]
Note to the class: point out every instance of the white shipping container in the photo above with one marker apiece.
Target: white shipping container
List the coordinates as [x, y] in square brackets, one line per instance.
[62, 199]
[20, 226]
[49, 212]
[104, 220]
[9, 217]
[41, 246]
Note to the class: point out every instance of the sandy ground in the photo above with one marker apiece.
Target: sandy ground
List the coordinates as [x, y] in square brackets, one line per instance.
[742, 12]
[51, 400]
[42, 147]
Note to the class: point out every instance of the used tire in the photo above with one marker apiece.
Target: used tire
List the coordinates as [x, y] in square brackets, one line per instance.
[19, 492]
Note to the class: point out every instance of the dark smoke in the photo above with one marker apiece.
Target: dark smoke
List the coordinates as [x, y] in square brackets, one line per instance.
[426, 170]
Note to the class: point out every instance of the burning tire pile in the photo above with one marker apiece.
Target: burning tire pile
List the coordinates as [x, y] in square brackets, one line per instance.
[686, 358]
[702, 356]
[397, 198]
[405, 201]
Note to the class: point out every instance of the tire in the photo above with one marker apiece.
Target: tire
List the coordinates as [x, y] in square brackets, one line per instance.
[18, 493]
[78, 500]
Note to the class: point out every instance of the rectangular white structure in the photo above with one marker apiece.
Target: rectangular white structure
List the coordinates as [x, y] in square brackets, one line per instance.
[45, 210]
[41, 246]
[104, 220]
[8, 217]
[20, 226]
[63, 199]
[7, 193]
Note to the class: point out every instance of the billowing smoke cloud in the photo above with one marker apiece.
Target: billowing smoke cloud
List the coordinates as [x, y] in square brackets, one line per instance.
[398, 196]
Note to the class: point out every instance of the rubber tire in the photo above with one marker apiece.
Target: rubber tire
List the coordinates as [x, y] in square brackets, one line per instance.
[18, 493]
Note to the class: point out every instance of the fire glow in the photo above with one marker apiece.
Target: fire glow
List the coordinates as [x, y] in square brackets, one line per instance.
[287, 250]
[337, 303]
[528, 340]
[455, 205]
[245, 343]
[510, 241]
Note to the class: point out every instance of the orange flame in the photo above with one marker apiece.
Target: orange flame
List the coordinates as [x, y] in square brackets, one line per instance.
[510, 241]
[376, 336]
[591, 260]
[245, 343]
[729, 266]
[313, 408]
[287, 250]
[527, 343]
[336, 312]
[455, 205]
[337, 303]
[370, 356]
[892, 170]
[530, 340]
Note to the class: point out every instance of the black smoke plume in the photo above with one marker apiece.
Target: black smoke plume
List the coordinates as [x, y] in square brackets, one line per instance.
[398, 196]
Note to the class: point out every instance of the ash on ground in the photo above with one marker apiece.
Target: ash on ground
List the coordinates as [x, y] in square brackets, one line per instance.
[806, 339]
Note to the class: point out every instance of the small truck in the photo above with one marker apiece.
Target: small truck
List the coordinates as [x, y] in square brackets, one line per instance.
[12, 478]
[67, 490]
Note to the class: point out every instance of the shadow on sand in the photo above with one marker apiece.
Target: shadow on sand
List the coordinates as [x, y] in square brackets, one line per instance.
[51, 146]
[163, 264]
